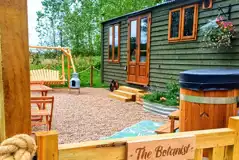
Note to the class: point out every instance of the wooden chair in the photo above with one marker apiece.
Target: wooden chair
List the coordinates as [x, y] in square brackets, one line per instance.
[171, 126]
[41, 112]
[46, 76]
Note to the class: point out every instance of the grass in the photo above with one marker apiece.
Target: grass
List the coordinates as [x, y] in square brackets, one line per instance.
[81, 64]
[168, 98]
[155, 97]
[85, 79]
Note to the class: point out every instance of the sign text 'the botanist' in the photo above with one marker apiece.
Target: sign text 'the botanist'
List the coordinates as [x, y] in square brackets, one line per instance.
[179, 148]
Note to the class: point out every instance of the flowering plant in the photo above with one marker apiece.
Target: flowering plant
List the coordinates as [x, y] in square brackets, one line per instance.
[218, 33]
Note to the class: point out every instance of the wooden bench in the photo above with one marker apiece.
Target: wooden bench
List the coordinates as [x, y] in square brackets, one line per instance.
[166, 128]
[170, 126]
[46, 76]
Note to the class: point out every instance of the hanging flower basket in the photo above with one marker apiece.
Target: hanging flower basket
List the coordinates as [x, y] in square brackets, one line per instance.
[218, 33]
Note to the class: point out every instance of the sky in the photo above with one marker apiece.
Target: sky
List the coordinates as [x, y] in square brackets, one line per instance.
[33, 7]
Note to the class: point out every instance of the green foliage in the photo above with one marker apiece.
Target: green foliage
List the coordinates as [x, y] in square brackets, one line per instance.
[83, 62]
[39, 61]
[168, 98]
[172, 90]
[218, 33]
[35, 59]
[77, 23]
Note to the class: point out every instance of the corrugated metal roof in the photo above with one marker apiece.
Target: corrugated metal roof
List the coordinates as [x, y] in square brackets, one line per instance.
[143, 10]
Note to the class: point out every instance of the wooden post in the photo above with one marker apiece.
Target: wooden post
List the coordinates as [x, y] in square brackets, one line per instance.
[15, 114]
[234, 124]
[63, 65]
[69, 70]
[72, 62]
[91, 75]
[47, 145]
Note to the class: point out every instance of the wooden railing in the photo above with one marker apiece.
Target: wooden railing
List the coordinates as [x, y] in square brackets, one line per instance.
[219, 144]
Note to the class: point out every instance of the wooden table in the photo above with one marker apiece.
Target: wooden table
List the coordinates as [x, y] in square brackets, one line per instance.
[40, 88]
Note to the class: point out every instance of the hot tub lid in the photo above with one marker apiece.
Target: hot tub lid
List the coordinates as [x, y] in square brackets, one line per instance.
[210, 79]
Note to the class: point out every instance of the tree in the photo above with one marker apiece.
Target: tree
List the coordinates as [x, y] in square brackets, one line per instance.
[50, 22]
[77, 23]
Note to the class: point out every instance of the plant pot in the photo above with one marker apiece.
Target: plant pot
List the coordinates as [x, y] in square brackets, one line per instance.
[159, 109]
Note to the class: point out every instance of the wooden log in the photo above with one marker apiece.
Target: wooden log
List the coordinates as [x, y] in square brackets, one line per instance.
[14, 69]
[65, 52]
[47, 143]
[72, 62]
[45, 47]
[69, 71]
[91, 75]
[63, 66]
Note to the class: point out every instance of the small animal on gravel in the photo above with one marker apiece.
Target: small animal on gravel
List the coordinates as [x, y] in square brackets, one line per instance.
[114, 85]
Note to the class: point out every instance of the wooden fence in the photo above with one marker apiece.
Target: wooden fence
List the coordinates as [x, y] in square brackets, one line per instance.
[220, 144]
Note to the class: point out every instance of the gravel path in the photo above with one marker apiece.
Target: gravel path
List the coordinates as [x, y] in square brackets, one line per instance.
[92, 115]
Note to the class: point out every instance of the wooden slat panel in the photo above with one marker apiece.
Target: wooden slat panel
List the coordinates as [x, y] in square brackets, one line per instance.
[199, 154]
[116, 148]
[218, 153]
[228, 153]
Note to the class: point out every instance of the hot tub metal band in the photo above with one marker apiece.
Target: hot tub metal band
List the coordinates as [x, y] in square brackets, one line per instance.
[209, 100]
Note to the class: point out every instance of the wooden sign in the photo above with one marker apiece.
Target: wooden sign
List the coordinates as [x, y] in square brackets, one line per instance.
[179, 148]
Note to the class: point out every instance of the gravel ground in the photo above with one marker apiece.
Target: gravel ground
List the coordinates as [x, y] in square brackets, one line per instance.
[92, 115]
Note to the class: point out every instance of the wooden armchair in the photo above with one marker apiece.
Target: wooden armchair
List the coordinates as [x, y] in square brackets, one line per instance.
[170, 126]
[41, 115]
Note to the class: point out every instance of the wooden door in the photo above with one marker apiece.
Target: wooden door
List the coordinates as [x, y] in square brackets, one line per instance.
[139, 49]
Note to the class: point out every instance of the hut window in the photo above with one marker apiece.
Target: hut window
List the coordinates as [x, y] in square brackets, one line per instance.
[207, 4]
[189, 22]
[183, 23]
[114, 43]
[174, 24]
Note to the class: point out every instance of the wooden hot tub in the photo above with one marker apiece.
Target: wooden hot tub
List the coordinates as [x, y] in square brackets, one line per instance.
[208, 98]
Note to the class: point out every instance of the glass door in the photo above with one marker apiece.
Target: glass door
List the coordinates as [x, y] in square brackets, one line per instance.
[139, 49]
[132, 49]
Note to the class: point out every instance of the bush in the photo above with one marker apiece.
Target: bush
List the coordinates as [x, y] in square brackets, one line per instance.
[169, 98]
[83, 62]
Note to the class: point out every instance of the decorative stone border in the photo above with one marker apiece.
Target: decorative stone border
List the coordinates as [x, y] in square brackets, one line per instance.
[158, 108]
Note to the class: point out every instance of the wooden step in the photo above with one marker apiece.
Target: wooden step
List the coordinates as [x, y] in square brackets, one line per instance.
[125, 94]
[129, 89]
[119, 97]
[166, 128]
[139, 98]
[139, 102]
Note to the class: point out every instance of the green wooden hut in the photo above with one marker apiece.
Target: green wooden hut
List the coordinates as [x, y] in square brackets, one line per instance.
[151, 46]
